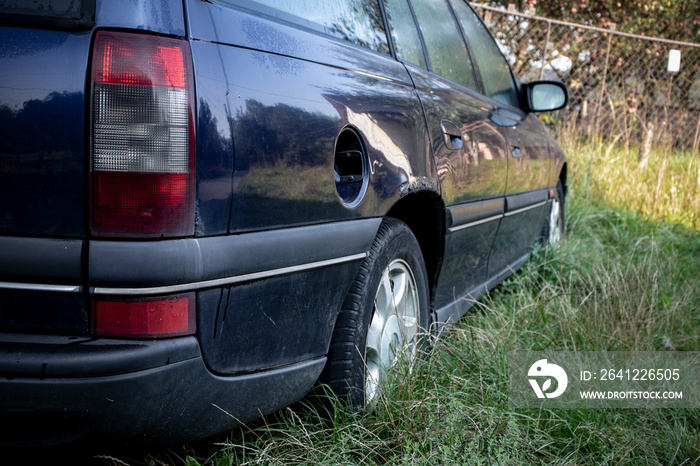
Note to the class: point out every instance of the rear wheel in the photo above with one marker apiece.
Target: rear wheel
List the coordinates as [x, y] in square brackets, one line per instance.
[382, 318]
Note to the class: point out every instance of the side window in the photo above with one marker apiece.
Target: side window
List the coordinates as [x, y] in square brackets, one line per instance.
[448, 53]
[492, 65]
[357, 21]
[404, 33]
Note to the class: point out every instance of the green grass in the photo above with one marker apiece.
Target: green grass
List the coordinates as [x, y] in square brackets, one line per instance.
[623, 280]
[668, 188]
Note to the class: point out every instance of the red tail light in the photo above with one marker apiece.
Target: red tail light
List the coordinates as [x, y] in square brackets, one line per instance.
[167, 316]
[142, 170]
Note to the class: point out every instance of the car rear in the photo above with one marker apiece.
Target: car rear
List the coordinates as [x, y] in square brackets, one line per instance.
[97, 164]
[89, 120]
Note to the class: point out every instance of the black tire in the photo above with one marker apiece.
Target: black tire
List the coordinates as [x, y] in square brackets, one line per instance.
[551, 234]
[394, 248]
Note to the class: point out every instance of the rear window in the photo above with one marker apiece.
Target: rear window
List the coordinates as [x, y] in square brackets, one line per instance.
[357, 21]
[55, 14]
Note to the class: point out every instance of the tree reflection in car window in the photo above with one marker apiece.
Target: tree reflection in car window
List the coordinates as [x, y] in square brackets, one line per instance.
[357, 21]
[404, 33]
[448, 52]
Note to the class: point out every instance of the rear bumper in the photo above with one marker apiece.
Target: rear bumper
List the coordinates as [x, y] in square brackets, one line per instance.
[266, 307]
[137, 391]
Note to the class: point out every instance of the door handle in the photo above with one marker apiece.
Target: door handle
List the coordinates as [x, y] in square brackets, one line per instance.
[451, 134]
[453, 141]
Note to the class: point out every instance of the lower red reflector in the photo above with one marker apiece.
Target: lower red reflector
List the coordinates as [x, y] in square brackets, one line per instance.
[142, 204]
[161, 317]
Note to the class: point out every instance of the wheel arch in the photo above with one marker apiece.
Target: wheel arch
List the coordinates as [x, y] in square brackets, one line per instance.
[424, 213]
[563, 177]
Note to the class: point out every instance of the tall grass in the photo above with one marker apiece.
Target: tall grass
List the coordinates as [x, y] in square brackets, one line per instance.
[622, 280]
[667, 188]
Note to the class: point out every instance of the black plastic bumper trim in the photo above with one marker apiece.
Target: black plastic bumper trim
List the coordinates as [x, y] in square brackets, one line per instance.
[472, 213]
[40, 260]
[469, 215]
[42, 356]
[226, 281]
[137, 267]
[172, 403]
[524, 201]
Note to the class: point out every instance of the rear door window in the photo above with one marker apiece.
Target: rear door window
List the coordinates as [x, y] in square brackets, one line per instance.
[496, 77]
[446, 48]
[357, 21]
[404, 33]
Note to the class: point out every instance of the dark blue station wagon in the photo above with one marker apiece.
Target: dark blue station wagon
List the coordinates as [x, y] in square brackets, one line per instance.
[209, 206]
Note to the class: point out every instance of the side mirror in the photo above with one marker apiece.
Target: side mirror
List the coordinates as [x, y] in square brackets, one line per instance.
[546, 96]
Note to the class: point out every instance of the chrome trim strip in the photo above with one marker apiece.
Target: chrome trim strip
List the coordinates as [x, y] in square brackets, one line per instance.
[168, 289]
[40, 287]
[524, 209]
[499, 216]
[478, 222]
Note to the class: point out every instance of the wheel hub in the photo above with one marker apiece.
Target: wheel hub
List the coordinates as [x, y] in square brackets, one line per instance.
[394, 327]
[554, 230]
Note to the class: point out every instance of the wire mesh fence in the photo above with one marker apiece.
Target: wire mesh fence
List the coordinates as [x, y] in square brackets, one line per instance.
[623, 88]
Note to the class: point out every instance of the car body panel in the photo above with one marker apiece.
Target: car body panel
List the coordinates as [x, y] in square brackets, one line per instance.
[214, 152]
[282, 176]
[529, 169]
[163, 16]
[42, 102]
[43, 311]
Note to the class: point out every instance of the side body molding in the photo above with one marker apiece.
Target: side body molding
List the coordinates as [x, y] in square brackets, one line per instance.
[197, 263]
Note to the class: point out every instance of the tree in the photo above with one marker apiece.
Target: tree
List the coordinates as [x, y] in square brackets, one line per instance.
[617, 84]
[672, 19]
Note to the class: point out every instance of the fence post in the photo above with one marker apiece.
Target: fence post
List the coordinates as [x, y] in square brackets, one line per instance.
[613, 27]
[487, 18]
[546, 48]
